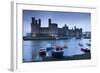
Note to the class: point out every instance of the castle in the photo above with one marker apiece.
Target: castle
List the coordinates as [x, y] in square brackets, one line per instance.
[52, 30]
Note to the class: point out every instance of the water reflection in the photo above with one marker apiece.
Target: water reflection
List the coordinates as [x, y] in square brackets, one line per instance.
[31, 48]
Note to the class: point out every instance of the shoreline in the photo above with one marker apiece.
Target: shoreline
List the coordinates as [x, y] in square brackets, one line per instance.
[85, 56]
[48, 38]
[26, 38]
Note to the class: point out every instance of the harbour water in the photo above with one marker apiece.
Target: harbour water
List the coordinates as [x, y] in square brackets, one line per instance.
[31, 48]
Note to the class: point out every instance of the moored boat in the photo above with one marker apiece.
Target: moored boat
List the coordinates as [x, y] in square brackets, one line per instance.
[88, 44]
[65, 46]
[42, 52]
[86, 50]
[49, 47]
[80, 44]
[58, 52]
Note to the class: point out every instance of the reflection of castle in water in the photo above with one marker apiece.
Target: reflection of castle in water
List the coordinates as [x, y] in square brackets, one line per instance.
[53, 31]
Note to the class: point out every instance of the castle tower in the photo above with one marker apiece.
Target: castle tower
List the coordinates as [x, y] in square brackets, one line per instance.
[33, 20]
[49, 21]
[39, 22]
[36, 22]
[35, 27]
[32, 23]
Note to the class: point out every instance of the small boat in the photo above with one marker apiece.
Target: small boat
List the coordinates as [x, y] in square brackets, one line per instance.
[58, 52]
[88, 44]
[65, 46]
[80, 44]
[90, 40]
[42, 52]
[85, 50]
[49, 47]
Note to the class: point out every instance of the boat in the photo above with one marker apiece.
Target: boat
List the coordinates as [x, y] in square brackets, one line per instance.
[49, 47]
[58, 52]
[65, 46]
[80, 44]
[88, 44]
[86, 50]
[42, 52]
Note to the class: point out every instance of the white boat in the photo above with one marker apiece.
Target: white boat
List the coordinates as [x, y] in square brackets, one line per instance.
[42, 52]
[58, 52]
[49, 47]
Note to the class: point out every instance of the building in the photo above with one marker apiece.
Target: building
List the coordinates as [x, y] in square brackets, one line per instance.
[53, 31]
[53, 28]
[35, 26]
[87, 34]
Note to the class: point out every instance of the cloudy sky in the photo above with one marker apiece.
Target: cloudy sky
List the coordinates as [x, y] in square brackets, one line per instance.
[71, 19]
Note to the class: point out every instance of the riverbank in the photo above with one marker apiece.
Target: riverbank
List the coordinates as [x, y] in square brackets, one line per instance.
[85, 56]
[43, 38]
[26, 38]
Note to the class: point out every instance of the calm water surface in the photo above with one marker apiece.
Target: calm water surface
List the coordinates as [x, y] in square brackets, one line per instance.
[31, 48]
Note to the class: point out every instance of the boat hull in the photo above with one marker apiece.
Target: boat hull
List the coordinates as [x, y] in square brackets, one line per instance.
[85, 50]
[57, 54]
[42, 53]
[49, 48]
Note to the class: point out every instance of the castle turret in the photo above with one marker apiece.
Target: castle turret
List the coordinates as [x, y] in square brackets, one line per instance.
[36, 22]
[49, 20]
[39, 21]
[33, 20]
[35, 26]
